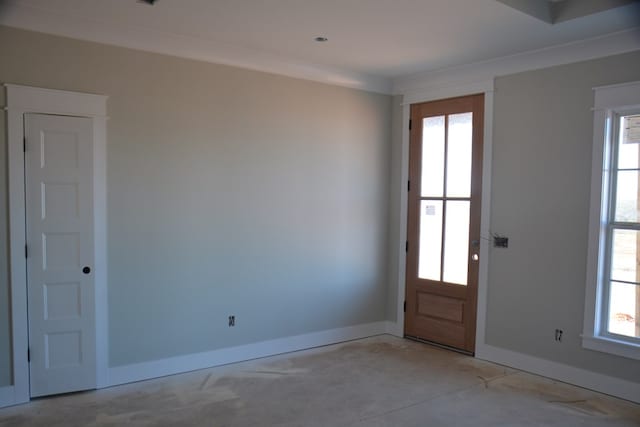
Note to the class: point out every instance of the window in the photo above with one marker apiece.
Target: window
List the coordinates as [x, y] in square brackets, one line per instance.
[612, 310]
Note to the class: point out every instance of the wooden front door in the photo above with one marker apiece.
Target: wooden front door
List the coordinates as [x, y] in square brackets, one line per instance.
[445, 183]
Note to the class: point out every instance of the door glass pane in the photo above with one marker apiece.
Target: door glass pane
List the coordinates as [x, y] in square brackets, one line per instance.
[430, 249]
[460, 137]
[456, 242]
[627, 197]
[624, 309]
[624, 248]
[432, 156]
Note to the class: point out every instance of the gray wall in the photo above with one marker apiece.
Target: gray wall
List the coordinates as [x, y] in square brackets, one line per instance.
[229, 192]
[540, 198]
[395, 157]
[5, 324]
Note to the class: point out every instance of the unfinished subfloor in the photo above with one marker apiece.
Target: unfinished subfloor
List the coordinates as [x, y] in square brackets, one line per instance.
[379, 381]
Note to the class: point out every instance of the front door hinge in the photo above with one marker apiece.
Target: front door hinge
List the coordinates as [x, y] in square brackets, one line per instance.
[408, 185]
[406, 246]
[26, 251]
[28, 355]
[405, 307]
[409, 124]
[24, 144]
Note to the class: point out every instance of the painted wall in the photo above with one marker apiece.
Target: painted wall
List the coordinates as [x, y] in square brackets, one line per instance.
[229, 192]
[540, 199]
[5, 316]
[395, 235]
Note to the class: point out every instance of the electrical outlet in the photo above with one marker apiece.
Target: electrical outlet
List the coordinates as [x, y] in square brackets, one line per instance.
[559, 335]
[500, 242]
[232, 321]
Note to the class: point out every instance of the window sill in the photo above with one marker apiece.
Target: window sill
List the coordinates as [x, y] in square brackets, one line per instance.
[612, 346]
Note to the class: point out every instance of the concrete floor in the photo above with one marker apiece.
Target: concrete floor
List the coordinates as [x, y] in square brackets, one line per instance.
[375, 382]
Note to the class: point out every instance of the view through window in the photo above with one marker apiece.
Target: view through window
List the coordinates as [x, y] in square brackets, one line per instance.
[623, 294]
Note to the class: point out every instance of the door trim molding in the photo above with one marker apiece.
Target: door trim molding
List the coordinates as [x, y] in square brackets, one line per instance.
[26, 99]
[487, 88]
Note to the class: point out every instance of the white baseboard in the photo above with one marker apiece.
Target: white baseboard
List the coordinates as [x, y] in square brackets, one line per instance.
[395, 329]
[191, 362]
[581, 377]
[7, 396]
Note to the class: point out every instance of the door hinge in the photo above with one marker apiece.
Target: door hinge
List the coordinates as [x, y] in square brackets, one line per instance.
[24, 144]
[405, 307]
[409, 124]
[406, 246]
[26, 251]
[28, 355]
[408, 185]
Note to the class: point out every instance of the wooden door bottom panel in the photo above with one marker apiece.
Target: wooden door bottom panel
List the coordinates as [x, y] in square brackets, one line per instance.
[440, 307]
[440, 331]
[435, 344]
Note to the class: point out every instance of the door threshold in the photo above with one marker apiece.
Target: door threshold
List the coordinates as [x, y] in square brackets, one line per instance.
[435, 344]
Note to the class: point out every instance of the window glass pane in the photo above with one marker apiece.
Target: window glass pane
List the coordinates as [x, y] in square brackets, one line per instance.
[624, 309]
[430, 249]
[624, 262]
[628, 156]
[460, 138]
[630, 129]
[433, 156]
[456, 243]
[627, 209]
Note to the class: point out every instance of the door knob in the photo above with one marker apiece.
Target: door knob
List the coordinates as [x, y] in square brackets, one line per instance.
[86, 270]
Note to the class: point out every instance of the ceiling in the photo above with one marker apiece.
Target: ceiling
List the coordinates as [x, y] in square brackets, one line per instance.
[555, 11]
[374, 40]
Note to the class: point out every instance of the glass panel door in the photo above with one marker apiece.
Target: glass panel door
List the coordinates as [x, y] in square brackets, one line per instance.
[443, 227]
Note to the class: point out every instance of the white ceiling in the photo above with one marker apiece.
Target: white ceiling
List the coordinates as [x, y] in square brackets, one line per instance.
[369, 40]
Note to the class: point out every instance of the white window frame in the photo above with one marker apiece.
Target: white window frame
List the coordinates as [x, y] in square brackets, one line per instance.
[610, 101]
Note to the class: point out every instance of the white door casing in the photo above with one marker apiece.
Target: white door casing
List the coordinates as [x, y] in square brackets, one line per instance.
[59, 223]
[22, 100]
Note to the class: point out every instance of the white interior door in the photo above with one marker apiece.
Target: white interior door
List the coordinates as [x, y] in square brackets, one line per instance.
[60, 253]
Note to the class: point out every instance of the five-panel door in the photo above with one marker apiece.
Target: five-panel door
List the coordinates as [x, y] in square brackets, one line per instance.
[60, 253]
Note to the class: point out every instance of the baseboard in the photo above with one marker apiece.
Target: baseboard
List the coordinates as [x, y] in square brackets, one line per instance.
[558, 371]
[191, 362]
[7, 396]
[395, 329]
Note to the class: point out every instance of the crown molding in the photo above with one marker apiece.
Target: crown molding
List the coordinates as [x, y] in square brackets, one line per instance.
[36, 19]
[470, 74]
[140, 38]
